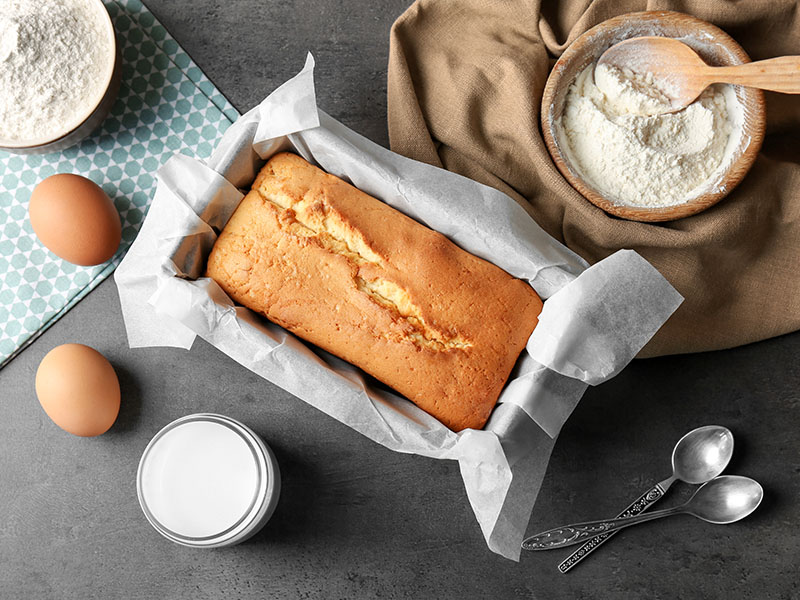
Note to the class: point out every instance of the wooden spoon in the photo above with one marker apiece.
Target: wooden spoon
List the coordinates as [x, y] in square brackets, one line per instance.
[680, 73]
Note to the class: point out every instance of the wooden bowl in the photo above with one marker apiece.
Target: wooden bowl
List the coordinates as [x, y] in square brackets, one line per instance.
[715, 47]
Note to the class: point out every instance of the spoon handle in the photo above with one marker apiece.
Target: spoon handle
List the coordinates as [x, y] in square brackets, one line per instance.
[579, 532]
[641, 504]
[781, 74]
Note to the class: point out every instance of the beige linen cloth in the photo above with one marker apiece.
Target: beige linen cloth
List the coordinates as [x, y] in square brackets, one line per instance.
[464, 91]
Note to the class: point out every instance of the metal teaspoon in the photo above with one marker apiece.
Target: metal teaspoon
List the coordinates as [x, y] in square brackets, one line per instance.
[723, 500]
[699, 456]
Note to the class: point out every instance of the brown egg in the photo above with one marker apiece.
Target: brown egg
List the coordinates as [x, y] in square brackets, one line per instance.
[75, 219]
[78, 389]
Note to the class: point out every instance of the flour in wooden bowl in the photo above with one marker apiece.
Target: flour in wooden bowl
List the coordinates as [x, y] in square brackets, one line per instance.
[633, 157]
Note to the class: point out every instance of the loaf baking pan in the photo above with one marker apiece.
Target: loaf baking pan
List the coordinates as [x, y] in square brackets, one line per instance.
[595, 319]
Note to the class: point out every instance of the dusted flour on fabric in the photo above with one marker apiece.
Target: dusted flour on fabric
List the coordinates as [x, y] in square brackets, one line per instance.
[614, 137]
[54, 56]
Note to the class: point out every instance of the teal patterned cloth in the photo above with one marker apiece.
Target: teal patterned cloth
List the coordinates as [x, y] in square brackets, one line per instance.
[166, 105]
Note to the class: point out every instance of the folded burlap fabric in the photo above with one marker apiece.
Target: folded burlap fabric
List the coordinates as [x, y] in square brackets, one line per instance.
[464, 92]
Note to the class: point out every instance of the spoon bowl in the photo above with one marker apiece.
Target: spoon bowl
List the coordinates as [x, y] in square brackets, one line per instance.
[725, 500]
[702, 454]
[674, 66]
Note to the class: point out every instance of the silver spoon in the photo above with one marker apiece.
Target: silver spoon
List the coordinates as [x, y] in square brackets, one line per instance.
[723, 500]
[699, 456]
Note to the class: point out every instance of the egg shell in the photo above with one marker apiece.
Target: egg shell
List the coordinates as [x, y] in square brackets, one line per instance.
[78, 389]
[75, 219]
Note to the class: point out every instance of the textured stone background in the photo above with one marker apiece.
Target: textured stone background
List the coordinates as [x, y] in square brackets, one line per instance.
[355, 520]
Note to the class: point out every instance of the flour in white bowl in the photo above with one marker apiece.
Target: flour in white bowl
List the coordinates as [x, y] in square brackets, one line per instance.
[636, 158]
[55, 58]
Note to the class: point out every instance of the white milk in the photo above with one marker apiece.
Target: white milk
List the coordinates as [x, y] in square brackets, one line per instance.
[207, 480]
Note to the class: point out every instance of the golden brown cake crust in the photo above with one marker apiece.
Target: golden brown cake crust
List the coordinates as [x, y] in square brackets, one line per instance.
[361, 280]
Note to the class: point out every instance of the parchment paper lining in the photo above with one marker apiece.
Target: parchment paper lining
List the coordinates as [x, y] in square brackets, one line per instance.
[594, 322]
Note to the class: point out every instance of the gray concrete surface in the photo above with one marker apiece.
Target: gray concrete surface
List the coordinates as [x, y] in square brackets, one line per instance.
[355, 520]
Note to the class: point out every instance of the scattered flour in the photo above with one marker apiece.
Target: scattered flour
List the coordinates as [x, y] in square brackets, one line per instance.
[635, 157]
[54, 60]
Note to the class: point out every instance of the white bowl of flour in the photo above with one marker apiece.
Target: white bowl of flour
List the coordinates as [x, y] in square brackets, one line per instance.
[603, 135]
[59, 72]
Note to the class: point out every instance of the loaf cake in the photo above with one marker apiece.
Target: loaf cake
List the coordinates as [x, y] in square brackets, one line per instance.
[346, 272]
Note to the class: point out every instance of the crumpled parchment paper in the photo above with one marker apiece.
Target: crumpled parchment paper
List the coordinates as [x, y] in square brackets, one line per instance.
[595, 319]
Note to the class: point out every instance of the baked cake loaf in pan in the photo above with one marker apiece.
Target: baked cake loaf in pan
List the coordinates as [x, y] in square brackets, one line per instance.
[352, 275]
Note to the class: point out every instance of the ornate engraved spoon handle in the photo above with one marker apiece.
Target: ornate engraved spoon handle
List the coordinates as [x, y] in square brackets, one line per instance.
[580, 532]
[641, 504]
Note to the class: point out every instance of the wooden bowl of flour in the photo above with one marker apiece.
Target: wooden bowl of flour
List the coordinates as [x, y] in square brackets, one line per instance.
[75, 92]
[715, 47]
